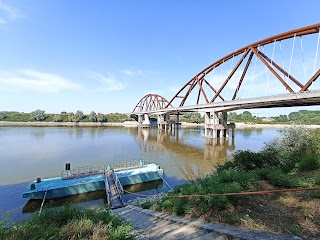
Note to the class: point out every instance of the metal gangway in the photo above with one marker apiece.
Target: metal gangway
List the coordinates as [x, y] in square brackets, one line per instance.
[114, 190]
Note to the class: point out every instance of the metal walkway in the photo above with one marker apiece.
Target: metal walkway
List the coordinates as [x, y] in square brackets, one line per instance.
[114, 190]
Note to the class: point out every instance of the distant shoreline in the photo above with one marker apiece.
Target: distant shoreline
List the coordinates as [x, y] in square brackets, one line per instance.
[68, 124]
[135, 124]
[256, 125]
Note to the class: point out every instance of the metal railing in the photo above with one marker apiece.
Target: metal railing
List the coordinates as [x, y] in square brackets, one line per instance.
[119, 188]
[125, 165]
[82, 171]
[94, 170]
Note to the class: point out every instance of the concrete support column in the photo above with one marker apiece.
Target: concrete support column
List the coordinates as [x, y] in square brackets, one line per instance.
[146, 119]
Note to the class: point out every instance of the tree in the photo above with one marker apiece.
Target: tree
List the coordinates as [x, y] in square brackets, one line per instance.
[71, 116]
[246, 116]
[75, 117]
[37, 115]
[294, 116]
[93, 117]
[282, 118]
[195, 117]
[2, 115]
[101, 118]
[57, 118]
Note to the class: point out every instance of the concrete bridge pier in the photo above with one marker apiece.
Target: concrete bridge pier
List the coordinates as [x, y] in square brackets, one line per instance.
[162, 121]
[144, 121]
[215, 127]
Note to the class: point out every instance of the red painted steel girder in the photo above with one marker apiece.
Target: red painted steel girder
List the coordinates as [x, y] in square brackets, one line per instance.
[151, 102]
[252, 49]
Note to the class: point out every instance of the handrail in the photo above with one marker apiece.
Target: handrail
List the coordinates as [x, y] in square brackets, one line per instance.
[119, 188]
[94, 170]
[107, 187]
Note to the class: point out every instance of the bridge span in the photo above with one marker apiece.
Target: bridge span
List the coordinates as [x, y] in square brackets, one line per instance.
[260, 75]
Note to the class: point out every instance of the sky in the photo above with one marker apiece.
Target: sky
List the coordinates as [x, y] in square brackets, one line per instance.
[104, 56]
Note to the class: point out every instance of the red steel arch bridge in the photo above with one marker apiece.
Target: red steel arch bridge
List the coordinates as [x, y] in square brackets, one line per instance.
[279, 71]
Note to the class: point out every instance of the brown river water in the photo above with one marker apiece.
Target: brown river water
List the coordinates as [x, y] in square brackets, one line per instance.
[30, 152]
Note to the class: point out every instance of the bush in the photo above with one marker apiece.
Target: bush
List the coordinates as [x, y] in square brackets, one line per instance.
[101, 118]
[146, 205]
[37, 115]
[309, 163]
[57, 118]
[2, 116]
[278, 178]
[230, 217]
[292, 146]
[93, 117]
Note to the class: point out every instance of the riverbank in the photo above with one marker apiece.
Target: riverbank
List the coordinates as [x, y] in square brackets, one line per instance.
[135, 124]
[69, 124]
[240, 125]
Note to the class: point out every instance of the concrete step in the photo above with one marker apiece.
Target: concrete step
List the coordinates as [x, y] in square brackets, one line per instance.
[150, 225]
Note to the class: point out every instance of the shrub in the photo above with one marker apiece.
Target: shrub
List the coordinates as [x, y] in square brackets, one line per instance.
[37, 115]
[278, 178]
[309, 163]
[57, 118]
[292, 146]
[93, 117]
[167, 205]
[230, 217]
[2, 116]
[101, 118]
[146, 205]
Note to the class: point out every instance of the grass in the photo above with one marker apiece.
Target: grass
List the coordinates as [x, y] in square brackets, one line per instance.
[68, 222]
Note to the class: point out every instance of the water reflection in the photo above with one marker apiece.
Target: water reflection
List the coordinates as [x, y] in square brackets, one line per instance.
[189, 161]
[27, 153]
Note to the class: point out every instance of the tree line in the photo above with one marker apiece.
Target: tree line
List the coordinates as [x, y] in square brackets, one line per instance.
[78, 116]
[299, 117]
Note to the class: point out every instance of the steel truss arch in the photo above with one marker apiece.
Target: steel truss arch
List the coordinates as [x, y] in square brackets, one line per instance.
[151, 102]
[245, 54]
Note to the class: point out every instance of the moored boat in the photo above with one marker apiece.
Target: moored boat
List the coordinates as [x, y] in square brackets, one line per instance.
[89, 179]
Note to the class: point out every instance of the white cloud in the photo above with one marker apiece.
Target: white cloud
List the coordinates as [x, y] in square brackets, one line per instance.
[35, 81]
[7, 13]
[132, 72]
[108, 82]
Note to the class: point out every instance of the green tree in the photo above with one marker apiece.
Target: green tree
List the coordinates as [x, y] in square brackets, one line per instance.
[282, 118]
[93, 117]
[246, 116]
[101, 118]
[37, 115]
[2, 115]
[71, 117]
[195, 117]
[57, 118]
[294, 116]
[75, 117]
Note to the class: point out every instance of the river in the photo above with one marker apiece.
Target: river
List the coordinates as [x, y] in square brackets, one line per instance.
[30, 152]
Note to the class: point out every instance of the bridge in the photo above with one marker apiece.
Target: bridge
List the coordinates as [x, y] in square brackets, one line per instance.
[279, 71]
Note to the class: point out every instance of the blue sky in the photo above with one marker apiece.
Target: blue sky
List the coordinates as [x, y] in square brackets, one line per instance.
[104, 56]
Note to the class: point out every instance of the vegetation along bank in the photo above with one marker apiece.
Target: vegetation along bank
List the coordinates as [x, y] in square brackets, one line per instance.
[302, 117]
[290, 161]
[68, 222]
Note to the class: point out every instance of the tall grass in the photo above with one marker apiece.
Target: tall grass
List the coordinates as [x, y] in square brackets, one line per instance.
[68, 222]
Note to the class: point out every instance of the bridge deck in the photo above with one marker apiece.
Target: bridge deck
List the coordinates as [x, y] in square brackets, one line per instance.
[113, 196]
